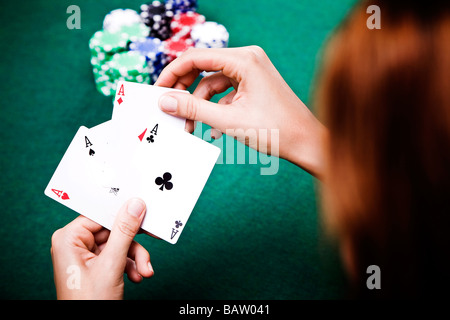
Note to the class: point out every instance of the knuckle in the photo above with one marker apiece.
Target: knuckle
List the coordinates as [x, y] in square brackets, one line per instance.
[255, 54]
[189, 51]
[186, 54]
[191, 108]
[128, 229]
[257, 50]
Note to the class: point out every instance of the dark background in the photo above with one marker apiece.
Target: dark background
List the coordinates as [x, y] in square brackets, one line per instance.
[250, 236]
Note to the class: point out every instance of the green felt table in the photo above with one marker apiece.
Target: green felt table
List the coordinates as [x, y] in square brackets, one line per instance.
[250, 236]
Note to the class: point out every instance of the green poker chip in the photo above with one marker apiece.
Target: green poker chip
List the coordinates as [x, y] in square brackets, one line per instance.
[128, 64]
[108, 42]
[112, 62]
[135, 31]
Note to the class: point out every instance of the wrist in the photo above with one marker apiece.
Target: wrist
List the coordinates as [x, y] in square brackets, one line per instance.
[306, 147]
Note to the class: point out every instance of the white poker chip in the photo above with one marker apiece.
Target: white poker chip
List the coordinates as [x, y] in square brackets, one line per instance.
[114, 20]
[210, 35]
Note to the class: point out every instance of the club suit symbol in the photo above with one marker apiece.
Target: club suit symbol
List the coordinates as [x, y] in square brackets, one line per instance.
[164, 182]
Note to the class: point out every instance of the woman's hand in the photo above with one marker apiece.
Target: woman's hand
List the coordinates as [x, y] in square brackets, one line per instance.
[89, 261]
[260, 103]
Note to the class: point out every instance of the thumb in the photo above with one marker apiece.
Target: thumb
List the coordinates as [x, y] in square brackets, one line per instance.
[190, 107]
[126, 226]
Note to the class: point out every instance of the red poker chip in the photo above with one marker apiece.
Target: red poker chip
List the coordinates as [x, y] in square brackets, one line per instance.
[175, 46]
[182, 23]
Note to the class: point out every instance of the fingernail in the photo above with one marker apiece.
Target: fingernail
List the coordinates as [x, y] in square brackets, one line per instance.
[215, 134]
[168, 104]
[136, 207]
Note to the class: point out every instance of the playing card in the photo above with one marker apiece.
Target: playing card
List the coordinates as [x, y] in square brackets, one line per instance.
[155, 159]
[142, 152]
[137, 120]
[79, 180]
[105, 134]
[135, 103]
[169, 177]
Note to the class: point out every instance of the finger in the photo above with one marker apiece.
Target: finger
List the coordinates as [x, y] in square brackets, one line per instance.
[141, 258]
[131, 271]
[85, 223]
[101, 236]
[100, 239]
[228, 99]
[186, 81]
[194, 108]
[99, 248]
[79, 233]
[126, 226]
[190, 126]
[214, 84]
[185, 69]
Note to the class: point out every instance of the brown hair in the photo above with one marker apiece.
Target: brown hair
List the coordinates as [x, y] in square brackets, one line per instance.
[385, 97]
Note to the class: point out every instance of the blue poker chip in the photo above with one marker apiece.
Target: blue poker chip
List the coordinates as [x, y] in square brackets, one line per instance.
[151, 48]
[179, 6]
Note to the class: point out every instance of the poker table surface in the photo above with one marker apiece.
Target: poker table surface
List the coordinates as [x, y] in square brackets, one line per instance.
[250, 236]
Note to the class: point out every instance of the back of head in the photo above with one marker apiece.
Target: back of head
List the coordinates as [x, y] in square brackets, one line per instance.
[384, 94]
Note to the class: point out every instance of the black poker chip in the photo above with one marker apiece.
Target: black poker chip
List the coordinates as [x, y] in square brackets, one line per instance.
[157, 16]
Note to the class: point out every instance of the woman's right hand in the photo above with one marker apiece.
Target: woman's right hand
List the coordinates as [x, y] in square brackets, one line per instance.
[260, 103]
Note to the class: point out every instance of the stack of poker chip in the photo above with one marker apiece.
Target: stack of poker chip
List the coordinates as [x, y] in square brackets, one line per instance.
[157, 16]
[181, 26]
[128, 66]
[109, 48]
[152, 49]
[136, 46]
[124, 66]
[103, 46]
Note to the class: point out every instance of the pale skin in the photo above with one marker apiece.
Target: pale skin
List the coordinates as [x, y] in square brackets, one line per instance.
[260, 99]
[102, 256]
